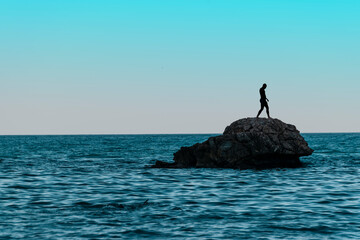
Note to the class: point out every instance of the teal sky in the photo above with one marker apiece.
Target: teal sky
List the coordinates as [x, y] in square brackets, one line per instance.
[186, 66]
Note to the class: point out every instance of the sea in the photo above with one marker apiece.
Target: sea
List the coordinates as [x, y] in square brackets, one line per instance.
[101, 187]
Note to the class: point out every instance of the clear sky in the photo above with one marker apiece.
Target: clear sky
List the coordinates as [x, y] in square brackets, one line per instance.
[177, 66]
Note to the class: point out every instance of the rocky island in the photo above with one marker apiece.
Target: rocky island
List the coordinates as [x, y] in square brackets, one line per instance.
[248, 143]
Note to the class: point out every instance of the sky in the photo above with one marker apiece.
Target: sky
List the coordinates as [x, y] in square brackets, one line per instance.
[180, 66]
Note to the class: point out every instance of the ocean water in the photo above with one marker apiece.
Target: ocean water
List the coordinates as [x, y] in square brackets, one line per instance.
[100, 187]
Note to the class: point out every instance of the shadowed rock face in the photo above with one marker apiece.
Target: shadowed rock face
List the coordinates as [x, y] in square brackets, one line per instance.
[257, 143]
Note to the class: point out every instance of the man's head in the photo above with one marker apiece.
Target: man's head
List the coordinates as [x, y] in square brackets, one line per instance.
[264, 86]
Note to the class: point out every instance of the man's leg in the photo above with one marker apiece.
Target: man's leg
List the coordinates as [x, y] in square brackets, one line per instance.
[267, 111]
[262, 107]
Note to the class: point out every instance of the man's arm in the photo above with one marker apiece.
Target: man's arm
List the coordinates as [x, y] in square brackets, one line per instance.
[265, 96]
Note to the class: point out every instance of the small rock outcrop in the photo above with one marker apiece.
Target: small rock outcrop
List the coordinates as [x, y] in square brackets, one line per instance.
[249, 143]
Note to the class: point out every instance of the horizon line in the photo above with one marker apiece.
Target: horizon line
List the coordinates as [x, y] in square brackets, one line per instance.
[134, 134]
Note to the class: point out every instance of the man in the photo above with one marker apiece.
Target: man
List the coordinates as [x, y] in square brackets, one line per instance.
[263, 101]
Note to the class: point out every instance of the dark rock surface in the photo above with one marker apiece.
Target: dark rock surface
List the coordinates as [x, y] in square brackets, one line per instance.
[256, 143]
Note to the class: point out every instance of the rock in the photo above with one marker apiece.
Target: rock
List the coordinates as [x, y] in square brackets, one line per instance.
[249, 143]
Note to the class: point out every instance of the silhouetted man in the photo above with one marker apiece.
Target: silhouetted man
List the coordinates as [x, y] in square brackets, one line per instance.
[263, 101]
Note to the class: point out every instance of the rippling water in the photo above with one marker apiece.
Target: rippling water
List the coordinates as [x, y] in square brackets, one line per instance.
[93, 187]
